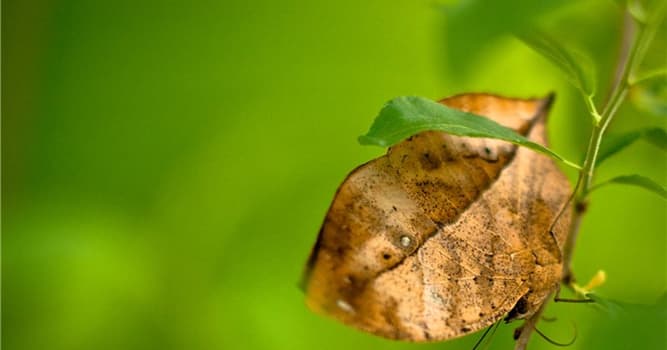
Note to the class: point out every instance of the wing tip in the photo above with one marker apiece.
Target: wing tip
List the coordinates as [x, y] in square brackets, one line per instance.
[546, 103]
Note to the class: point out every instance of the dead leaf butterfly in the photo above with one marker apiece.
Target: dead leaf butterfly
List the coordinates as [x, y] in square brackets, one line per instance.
[444, 235]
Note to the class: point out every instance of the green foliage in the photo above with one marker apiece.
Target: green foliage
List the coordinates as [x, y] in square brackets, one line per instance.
[619, 309]
[649, 92]
[611, 307]
[405, 116]
[659, 74]
[649, 86]
[649, 26]
[472, 26]
[613, 144]
[640, 324]
[576, 68]
[635, 180]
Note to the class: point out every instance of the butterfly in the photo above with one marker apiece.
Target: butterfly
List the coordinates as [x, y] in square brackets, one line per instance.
[445, 235]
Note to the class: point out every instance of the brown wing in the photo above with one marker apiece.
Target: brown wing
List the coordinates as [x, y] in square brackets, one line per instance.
[444, 234]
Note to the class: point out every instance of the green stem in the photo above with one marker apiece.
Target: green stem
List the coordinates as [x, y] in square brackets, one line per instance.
[590, 104]
[632, 51]
[628, 62]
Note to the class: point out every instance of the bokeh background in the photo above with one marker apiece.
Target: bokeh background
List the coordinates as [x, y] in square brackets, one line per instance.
[166, 165]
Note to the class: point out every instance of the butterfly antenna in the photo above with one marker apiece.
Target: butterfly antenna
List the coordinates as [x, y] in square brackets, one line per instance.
[553, 342]
[493, 332]
[574, 301]
[482, 337]
[492, 328]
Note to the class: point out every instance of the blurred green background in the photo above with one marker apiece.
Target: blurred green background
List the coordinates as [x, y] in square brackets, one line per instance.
[167, 164]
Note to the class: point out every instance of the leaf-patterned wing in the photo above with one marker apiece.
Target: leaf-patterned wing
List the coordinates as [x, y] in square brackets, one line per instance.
[443, 235]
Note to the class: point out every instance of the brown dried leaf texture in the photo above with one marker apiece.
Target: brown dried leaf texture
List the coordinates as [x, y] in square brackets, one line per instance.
[444, 235]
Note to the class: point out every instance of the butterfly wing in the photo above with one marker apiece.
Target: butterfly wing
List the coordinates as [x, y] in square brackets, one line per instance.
[444, 234]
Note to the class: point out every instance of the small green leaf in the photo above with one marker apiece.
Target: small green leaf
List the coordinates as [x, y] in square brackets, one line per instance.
[644, 324]
[578, 68]
[649, 26]
[613, 308]
[639, 78]
[613, 144]
[618, 309]
[657, 137]
[635, 180]
[649, 92]
[493, 20]
[405, 116]
[637, 11]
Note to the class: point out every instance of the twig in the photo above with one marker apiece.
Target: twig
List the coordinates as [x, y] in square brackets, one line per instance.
[633, 38]
[527, 328]
[639, 36]
[629, 31]
[618, 92]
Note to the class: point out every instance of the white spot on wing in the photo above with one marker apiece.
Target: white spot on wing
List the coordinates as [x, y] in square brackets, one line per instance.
[343, 305]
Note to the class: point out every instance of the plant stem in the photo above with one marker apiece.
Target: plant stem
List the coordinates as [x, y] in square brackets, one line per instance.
[636, 39]
[626, 63]
[527, 329]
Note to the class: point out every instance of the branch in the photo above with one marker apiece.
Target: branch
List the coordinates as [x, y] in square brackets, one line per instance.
[627, 59]
[526, 330]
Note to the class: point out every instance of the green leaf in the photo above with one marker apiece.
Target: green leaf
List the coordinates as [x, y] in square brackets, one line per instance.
[613, 144]
[613, 308]
[649, 27]
[659, 73]
[637, 11]
[642, 325]
[619, 309]
[649, 92]
[657, 137]
[578, 69]
[492, 21]
[635, 180]
[405, 116]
